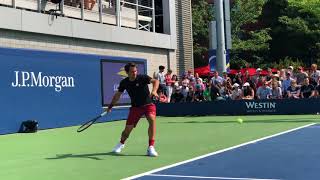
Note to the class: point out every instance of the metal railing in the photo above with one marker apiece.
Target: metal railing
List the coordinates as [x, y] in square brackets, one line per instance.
[137, 14]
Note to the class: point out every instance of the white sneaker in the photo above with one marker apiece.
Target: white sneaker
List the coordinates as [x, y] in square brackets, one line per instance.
[118, 148]
[152, 152]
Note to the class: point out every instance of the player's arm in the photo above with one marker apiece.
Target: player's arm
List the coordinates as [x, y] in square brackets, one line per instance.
[114, 101]
[155, 86]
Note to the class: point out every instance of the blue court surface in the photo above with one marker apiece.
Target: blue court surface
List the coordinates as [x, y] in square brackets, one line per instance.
[291, 155]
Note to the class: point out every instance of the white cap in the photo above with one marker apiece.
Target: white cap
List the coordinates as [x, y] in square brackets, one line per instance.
[258, 69]
[246, 84]
[236, 85]
[290, 67]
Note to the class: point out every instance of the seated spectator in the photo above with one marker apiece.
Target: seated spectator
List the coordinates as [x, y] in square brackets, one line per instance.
[196, 76]
[184, 92]
[276, 92]
[317, 91]
[247, 91]
[307, 89]
[286, 84]
[191, 95]
[293, 91]
[214, 91]
[206, 93]
[225, 77]
[177, 96]
[264, 91]
[236, 92]
[162, 97]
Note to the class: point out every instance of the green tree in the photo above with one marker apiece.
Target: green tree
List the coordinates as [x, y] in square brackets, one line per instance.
[202, 14]
[249, 39]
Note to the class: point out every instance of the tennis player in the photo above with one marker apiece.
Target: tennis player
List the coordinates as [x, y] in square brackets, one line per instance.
[141, 104]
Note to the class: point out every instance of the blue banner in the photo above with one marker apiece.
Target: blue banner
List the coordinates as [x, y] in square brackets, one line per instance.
[56, 89]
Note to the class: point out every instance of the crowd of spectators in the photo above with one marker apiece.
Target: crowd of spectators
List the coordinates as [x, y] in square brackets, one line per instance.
[285, 83]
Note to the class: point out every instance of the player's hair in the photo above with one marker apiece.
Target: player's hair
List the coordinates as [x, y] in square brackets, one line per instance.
[129, 65]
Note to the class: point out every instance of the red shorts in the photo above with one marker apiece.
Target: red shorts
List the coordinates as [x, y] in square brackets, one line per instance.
[137, 112]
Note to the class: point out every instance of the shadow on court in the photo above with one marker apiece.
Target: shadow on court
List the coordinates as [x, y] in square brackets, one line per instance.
[93, 156]
[254, 121]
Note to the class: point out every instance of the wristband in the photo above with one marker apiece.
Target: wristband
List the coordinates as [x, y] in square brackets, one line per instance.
[110, 106]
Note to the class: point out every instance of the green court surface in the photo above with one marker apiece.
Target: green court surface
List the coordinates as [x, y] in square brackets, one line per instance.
[64, 154]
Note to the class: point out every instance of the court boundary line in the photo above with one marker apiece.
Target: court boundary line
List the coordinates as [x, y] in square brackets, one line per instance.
[206, 177]
[216, 152]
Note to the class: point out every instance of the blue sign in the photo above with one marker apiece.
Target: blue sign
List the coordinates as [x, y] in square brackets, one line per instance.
[56, 89]
[213, 59]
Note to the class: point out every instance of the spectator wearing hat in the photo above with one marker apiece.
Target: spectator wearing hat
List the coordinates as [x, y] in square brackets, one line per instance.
[293, 90]
[307, 89]
[275, 79]
[290, 70]
[236, 93]
[247, 91]
[300, 76]
[257, 76]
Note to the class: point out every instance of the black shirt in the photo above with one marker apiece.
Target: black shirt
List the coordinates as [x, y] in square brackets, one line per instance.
[306, 90]
[138, 90]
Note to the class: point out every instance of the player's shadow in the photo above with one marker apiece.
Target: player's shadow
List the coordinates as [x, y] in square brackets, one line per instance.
[252, 121]
[93, 156]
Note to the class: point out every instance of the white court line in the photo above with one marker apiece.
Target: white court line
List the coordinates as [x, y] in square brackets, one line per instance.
[214, 153]
[204, 177]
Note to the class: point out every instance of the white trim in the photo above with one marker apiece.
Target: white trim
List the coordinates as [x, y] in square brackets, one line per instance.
[204, 177]
[216, 152]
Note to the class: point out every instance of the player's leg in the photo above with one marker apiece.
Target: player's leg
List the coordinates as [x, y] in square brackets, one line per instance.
[135, 114]
[124, 136]
[151, 117]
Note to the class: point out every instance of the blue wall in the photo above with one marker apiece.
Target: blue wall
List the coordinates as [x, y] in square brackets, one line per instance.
[51, 108]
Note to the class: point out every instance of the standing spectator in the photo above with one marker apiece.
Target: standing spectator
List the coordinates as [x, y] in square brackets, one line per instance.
[269, 75]
[307, 89]
[237, 79]
[290, 70]
[185, 92]
[236, 93]
[264, 91]
[191, 95]
[247, 91]
[315, 75]
[257, 76]
[161, 77]
[169, 83]
[293, 91]
[301, 76]
[176, 81]
[276, 92]
[246, 77]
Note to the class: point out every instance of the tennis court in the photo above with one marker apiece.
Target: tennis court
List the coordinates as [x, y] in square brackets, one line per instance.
[65, 154]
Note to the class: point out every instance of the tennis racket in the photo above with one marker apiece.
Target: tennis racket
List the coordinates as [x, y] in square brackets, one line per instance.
[89, 123]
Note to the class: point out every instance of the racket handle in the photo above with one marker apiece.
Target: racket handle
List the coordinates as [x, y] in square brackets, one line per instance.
[104, 113]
